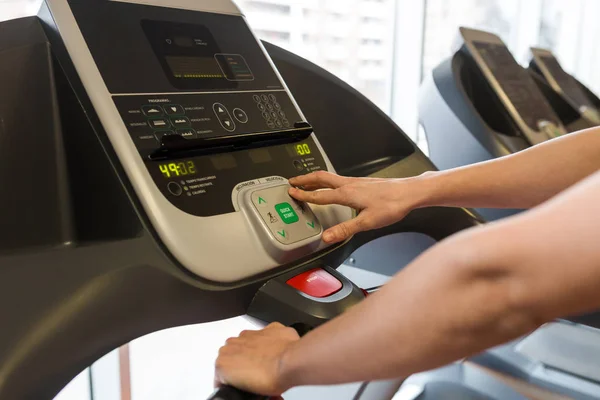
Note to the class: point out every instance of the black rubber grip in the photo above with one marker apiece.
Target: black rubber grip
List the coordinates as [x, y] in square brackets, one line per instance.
[231, 393]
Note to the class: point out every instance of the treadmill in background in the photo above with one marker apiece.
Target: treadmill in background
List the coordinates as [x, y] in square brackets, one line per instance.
[480, 104]
[546, 66]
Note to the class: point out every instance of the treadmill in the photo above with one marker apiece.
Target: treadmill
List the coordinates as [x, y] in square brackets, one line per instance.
[147, 149]
[545, 65]
[480, 104]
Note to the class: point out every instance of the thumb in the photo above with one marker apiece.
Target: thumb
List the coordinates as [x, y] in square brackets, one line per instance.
[345, 230]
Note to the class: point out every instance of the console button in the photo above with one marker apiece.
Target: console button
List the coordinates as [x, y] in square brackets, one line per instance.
[272, 98]
[271, 124]
[281, 114]
[316, 283]
[278, 124]
[228, 124]
[298, 165]
[266, 116]
[152, 111]
[270, 107]
[287, 213]
[181, 122]
[159, 134]
[187, 133]
[264, 98]
[286, 123]
[174, 109]
[277, 106]
[261, 107]
[274, 115]
[160, 123]
[175, 189]
[220, 110]
[256, 98]
[240, 115]
[283, 236]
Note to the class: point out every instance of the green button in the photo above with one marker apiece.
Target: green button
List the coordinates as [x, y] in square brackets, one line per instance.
[287, 213]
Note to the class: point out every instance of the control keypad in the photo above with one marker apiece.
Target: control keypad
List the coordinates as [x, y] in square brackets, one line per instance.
[272, 112]
[288, 220]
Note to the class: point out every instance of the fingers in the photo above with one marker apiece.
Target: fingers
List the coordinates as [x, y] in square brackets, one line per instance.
[322, 197]
[320, 180]
[345, 230]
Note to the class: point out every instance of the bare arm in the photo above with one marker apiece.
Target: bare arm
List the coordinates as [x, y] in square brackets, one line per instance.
[481, 288]
[522, 180]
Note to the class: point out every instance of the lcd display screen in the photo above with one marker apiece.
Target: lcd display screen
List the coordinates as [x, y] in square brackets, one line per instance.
[192, 58]
[518, 85]
[566, 82]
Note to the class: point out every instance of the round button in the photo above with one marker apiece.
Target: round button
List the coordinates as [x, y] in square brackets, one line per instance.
[278, 124]
[286, 123]
[281, 114]
[277, 106]
[272, 98]
[271, 124]
[261, 107]
[266, 116]
[256, 98]
[270, 107]
[175, 189]
[240, 115]
[274, 115]
[264, 98]
[298, 165]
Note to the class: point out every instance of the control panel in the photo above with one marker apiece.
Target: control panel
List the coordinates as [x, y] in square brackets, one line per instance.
[204, 116]
[204, 128]
[283, 223]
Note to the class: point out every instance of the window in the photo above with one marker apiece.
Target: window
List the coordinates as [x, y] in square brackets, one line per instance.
[10, 9]
[322, 24]
[443, 18]
[270, 8]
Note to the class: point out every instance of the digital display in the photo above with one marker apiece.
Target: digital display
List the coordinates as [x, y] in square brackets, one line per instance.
[301, 149]
[566, 82]
[517, 84]
[194, 67]
[192, 58]
[178, 169]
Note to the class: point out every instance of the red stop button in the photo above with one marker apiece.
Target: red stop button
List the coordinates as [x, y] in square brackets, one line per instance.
[316, 283]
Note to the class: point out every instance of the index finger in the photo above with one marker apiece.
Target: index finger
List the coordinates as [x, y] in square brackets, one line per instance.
[321, 197]
[320, 180]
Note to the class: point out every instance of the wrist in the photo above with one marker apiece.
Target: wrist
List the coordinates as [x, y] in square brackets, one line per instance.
[423, 190]
[287, 374]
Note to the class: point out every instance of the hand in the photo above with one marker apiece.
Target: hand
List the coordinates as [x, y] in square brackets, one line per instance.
[380, 202]
[253, 361]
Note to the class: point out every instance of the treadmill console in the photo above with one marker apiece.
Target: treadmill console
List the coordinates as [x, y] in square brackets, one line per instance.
[514, 86]
[204, 127]
[564, 83]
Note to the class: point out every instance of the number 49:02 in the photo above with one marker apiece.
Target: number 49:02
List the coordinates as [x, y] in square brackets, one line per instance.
[178, 169]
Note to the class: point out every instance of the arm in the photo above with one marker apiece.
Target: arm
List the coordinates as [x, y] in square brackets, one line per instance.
[478, 289]
[522, 180]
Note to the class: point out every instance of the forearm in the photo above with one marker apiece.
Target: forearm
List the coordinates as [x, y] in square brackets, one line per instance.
[476, 290]
[522, 180]
[440, 309]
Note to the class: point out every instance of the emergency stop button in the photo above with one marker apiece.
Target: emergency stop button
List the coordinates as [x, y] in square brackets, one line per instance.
[316, 283]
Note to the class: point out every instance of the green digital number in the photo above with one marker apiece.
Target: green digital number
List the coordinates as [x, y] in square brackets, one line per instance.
[182, 169]
[306, 149]
[300, 150]
[165, 170]
[191, 167]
